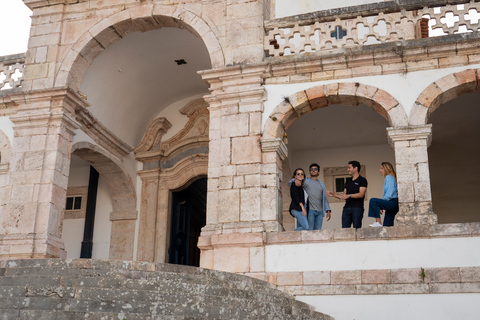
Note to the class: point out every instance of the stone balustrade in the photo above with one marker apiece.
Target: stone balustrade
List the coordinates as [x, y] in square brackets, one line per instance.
[300, 37]
[11, 71]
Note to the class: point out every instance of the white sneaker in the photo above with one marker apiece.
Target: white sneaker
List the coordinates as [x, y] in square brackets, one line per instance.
[376, 224]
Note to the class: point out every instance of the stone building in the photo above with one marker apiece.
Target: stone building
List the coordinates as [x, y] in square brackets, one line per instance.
[166, 130]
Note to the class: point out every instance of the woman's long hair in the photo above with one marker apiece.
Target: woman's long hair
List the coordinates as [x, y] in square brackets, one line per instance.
[389, 170]
[295, 173]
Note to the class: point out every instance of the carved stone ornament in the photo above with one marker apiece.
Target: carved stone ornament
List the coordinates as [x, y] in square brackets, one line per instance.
[195, 131]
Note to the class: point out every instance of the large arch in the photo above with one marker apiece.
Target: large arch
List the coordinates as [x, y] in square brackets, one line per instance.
[138, 18]
[123, 197]
[302, 102]
[448, 107]
[442, 91]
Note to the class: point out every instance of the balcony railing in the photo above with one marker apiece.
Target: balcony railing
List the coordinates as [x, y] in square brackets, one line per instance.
[11, 71]
[299, 37]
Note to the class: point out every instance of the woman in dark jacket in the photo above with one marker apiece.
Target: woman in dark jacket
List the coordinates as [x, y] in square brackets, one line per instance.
[298, 207]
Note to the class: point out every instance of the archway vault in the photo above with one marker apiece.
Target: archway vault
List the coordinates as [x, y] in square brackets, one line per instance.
[354, 93]
[123, 197]
[442, 91]
[138, 18]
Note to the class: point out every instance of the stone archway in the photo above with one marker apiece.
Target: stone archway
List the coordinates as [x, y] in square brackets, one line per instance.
[123, 196]
[452, 168]
[442, 91]
[138, 18]
[300, 103]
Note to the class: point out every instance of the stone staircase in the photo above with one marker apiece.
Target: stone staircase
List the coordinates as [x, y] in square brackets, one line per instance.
[108, 289]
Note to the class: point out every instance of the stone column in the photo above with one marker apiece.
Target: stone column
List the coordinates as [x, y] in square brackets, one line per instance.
[274, 152]
[148, 215]
[243, 197]
[413, 177]
[43, 132]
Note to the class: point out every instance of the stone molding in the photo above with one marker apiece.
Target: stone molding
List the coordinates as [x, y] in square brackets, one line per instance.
[420, 132]
[153, 135]
[378, 282]
[423, 231]
[193, 134]
[389, 58]
[275, 145]
[76, 114]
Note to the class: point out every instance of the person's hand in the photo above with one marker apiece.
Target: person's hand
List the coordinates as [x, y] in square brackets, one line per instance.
[328, 215]
[381, 211]
[304, 212]
[344, 197]
[329, 193]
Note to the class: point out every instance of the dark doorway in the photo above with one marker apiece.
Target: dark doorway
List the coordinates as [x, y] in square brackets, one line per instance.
[189, 208]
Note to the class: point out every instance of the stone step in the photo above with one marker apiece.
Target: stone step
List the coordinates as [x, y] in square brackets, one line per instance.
[104, 289]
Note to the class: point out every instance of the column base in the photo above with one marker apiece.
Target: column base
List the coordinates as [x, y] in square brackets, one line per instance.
[415, 214]
[16, 246]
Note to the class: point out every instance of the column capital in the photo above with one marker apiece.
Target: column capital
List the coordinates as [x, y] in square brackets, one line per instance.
[275, 145]
[423, 132]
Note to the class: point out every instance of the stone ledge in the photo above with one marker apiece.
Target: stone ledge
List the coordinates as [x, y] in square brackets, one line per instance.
[388, 281]
[368, 234]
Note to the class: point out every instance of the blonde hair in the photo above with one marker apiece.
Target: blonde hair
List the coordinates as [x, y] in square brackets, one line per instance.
[389, 170]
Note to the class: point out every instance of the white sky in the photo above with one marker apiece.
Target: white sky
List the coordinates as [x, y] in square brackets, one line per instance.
[14, 26]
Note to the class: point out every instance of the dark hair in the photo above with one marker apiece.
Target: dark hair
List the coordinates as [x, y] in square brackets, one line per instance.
[295, 173]
[314, 165]
[355, 164]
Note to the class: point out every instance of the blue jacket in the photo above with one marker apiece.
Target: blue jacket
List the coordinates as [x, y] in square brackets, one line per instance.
[390, 190]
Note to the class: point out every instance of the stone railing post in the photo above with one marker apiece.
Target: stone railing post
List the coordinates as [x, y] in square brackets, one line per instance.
[41, 150]
[413, 178]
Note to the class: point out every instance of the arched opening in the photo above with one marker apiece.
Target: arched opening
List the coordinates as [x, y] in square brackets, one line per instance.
[115, 207]
[450, 105]
[188, 217]
[453, 155]
[333, 136]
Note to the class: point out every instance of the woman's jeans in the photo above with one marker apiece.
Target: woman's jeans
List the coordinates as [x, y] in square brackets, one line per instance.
[315, 219]
[390, 207]
[302, 223]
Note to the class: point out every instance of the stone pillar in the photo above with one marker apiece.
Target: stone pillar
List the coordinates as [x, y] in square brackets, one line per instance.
[243, 195]
[274, 152]
[43, 131]
[148, 215]
[413, 177]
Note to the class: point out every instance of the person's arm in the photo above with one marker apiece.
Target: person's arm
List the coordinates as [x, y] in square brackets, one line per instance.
[304, 212]
[358, 195]
[389, 188]
[338, 196]
[326, 205]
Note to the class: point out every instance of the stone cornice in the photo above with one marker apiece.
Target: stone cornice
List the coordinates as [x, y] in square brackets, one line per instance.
[275, 145]
[360, 10]
[20, 104]
[410, 133]
[387, 58]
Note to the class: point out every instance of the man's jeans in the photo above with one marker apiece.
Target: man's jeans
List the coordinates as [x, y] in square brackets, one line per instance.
[302, 223]
[352, 215]
[390, 207]
[315, 219]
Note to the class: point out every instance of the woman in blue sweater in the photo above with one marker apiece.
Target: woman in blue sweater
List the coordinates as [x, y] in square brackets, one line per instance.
[389, 201]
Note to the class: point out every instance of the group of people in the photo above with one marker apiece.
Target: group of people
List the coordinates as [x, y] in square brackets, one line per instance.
[310, 205]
